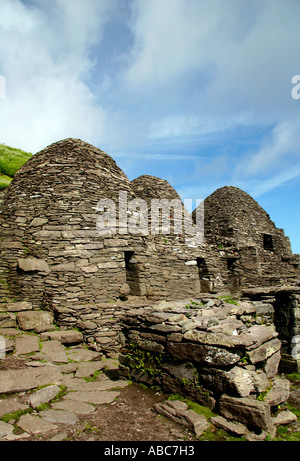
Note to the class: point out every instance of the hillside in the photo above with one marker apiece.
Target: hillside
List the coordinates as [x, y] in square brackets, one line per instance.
[11, 160]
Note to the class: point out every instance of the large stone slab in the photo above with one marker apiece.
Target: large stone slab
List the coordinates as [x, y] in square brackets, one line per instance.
[6, 432]
[238, 429]
[35, 424]
[28, 378]
[214, 339]
[93, 397]
[203, 353]
[8, 406]
[87, 369]
[83, 355]
[59, 416]
[246, 411]
[30, 320]
[54, 351]
[33, 265]
[26, 345]
[279, 392]
[178, 411]
[43, 395]
[78, 384]
[65, 337]
[80, 408]
[264, 351]
[17, 307]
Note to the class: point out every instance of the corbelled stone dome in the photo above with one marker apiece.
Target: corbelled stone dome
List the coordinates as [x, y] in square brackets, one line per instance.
[231, 213]
[149, 187]
[49, 218]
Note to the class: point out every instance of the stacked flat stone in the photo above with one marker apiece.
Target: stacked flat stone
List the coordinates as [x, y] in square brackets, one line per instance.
[216, 352]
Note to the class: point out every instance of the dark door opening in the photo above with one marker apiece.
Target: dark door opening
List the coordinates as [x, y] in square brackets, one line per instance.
[204, 276]
[132, 273]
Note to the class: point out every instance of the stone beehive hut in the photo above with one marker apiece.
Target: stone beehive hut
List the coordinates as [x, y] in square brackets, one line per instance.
[254, 252]
[50, 245]
[54, 255]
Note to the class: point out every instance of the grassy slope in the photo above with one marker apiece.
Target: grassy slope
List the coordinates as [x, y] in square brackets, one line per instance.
[11, 160]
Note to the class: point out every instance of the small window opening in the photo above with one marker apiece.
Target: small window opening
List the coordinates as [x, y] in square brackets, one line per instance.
[231, 263]
[268, 242]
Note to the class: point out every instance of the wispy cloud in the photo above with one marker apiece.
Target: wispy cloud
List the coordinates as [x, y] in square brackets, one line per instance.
[262, 187]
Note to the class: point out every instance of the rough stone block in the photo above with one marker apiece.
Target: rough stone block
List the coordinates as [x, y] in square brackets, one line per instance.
[33, 265]
[246, 411]
[19, 306]
[65, 337]
[30, 320]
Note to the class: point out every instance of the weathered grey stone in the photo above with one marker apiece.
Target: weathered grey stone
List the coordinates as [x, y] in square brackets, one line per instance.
[96, 397]
[178, 411]
[229, 426]
[87, 369]
[87, 325]
[261, 334]
[272, 364]
[79, 408]
[240, 381]
[264, 351]
[26, 345]
[33, 265]
[54, 351]
[219, 339]
[201, 353]
[29, 378]
[35, 424]
[182, 371]
[83, 355]
[29, 320]
[11, 406]
[284, 417]
[38, 222]
[6, 432]
[279, 392]
[246, 411]
[59, 416]
[42, 328]
[17, 307]
[44, 395]
[65, 337]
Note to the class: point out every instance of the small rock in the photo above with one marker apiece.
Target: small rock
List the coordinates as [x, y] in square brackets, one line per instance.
[59, 416]
[8, 406]
[35, 424]
[229, 426]
[284, 417]
[43, 395]
[178, 411]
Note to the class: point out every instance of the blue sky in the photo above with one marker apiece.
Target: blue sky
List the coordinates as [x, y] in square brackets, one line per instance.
[198, 92]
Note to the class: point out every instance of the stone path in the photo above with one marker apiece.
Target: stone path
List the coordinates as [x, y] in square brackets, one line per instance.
[51, 384]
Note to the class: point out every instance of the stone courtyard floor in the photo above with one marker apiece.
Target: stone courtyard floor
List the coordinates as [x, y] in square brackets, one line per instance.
[54, 392]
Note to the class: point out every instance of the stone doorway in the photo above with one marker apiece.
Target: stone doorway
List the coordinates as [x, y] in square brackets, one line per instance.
[206, 284]
[132, 273]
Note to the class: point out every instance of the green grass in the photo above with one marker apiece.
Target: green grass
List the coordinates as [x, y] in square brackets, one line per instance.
[11, 160]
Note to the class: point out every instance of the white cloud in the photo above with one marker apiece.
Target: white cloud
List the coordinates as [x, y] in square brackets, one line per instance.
[279, 150]
[44, 51]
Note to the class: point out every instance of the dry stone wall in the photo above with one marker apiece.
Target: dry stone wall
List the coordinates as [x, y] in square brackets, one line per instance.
[218, 353]
[54, 257]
